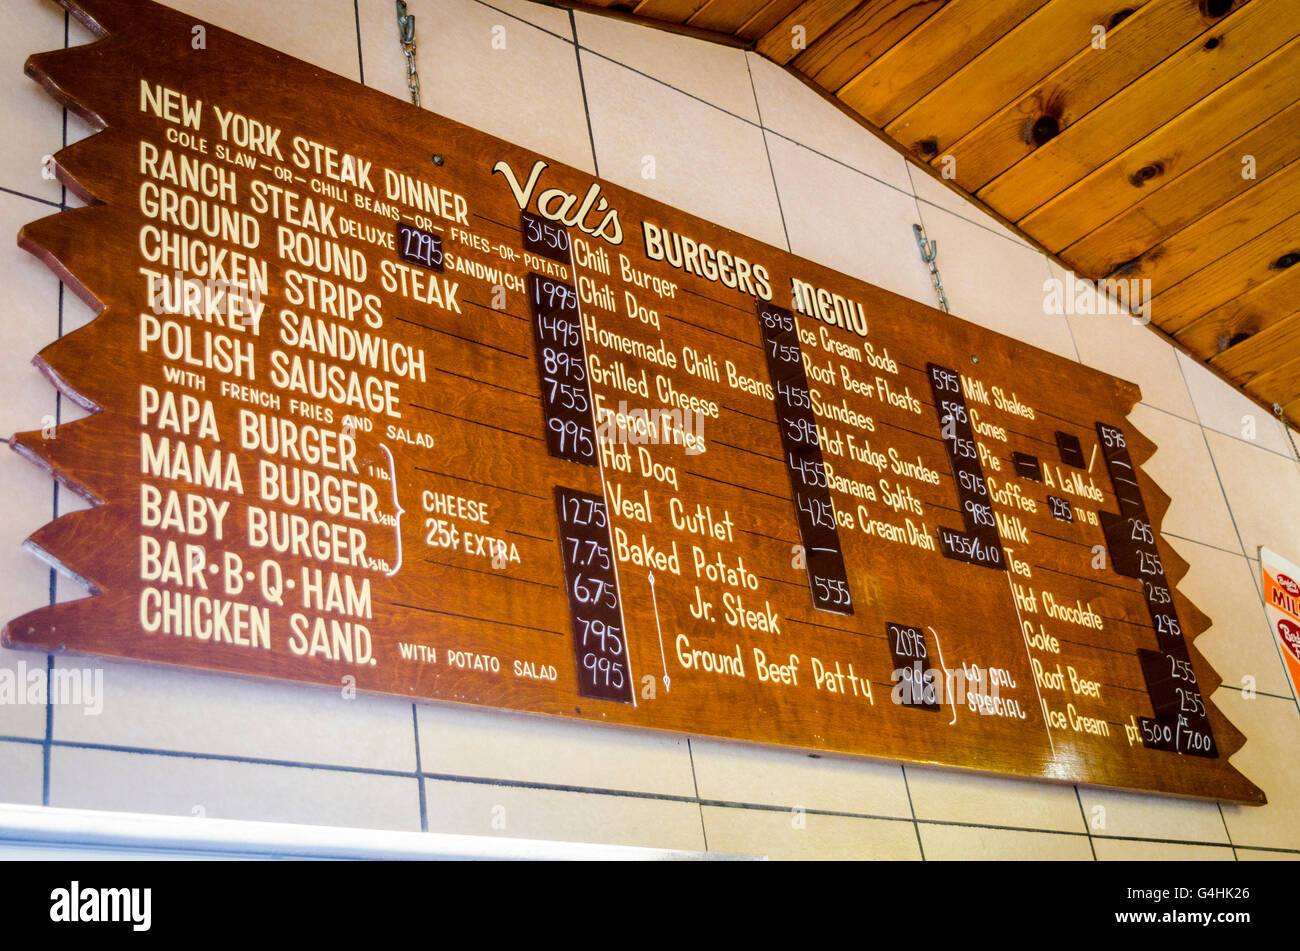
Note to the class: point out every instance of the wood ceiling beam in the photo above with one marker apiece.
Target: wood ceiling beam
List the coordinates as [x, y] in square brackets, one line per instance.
[1147, 166]
[1133, 46]
[1237, 42]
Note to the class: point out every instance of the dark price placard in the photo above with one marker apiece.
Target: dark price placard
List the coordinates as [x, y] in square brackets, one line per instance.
[419, 247]
[545, 238]
[812, 501]
[562, 370]
[597, 618]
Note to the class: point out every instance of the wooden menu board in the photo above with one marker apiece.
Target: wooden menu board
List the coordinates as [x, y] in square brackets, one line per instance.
[382, 397]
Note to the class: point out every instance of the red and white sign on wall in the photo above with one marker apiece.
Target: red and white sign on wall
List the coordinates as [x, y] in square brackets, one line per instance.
[1282, 602]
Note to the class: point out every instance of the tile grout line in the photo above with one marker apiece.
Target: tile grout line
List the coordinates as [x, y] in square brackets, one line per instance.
[1083, 813]
[514, 16]
[623, 793]
[1227, 832]
[1258, 692]
[361, 64]
[1188, 842]
[1169, 412]
[22, 194]
[419, 771]
[1197, 541]
[582, 84]
[662, 82]
[1264, 848]
[696, 781]
[938, 207]
[860, 171]
[1078, 358]
[1254, 444]
[776, 189]
[220, 757]
[1285, 431]
[48, 746]
[916, 826]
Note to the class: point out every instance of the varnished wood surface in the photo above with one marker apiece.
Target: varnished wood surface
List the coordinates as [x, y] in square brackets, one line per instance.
[453, 623]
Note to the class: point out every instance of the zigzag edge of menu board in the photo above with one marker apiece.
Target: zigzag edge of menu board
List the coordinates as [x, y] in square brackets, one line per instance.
[1227, 737]
[73, 363]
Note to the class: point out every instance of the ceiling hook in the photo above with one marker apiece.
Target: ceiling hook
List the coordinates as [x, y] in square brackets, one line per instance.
[929, 249]
[405, 23]
[406, 35]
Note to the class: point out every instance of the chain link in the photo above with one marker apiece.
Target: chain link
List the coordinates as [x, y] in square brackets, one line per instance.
[406, 34]
[1286, 428]
[929, 252]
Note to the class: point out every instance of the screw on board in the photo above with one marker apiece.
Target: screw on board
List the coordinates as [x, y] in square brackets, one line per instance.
[929, 252]
[406, 34]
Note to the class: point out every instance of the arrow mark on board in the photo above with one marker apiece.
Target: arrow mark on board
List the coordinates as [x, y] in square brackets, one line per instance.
[655, 601]
[397, 507]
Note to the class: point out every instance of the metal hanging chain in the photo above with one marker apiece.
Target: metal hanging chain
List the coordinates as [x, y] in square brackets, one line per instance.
[1286, 426]
[929, 251]
[406, 33]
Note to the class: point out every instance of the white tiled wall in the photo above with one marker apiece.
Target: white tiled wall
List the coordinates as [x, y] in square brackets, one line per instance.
[735, 139]
[846, 219]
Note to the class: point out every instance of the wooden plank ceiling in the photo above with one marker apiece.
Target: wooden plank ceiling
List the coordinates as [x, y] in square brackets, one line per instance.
[1169, 154]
